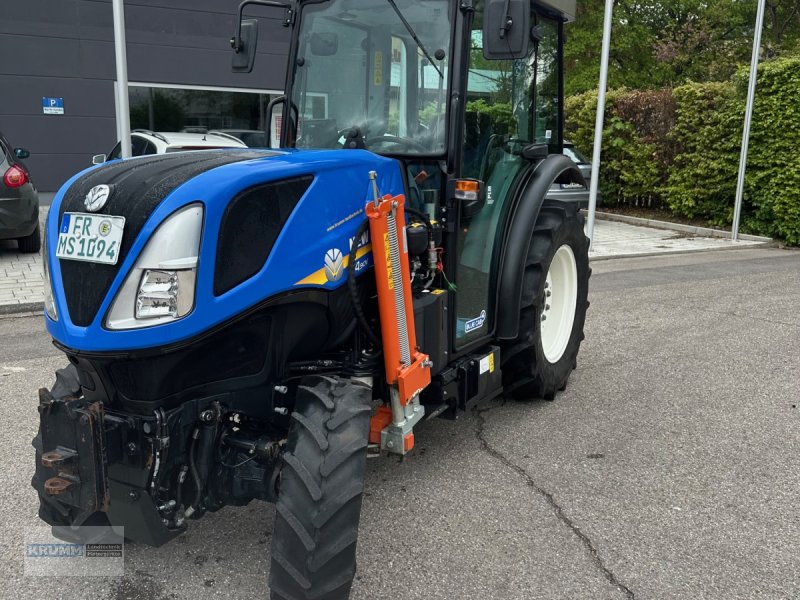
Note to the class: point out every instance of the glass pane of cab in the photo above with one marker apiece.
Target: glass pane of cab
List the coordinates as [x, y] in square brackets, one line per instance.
[510, 104]
[360, 73]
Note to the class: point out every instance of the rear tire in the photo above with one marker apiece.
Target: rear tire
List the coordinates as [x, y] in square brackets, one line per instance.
[319, 498]
[30, 244]
[553, 308]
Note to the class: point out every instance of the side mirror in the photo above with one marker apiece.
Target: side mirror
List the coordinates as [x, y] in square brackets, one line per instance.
[506, 29]
[324, 44]
[245, 39]
[21, 153]
[535, 152]
[244, 47]
[99, 159]
[470, 193]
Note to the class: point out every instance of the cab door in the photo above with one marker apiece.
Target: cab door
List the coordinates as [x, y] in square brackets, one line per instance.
[510, 104]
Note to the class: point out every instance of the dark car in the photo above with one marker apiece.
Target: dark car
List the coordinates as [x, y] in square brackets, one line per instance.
[19, 200]
[574, 192]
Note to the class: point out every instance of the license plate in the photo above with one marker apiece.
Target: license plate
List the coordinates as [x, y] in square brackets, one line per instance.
[90, 238]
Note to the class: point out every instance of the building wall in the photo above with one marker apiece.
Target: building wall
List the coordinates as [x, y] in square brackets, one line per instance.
[65, 49]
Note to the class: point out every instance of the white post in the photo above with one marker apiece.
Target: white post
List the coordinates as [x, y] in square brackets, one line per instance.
[748, 115]
[598, 123]
[122, 104]
[116, 110]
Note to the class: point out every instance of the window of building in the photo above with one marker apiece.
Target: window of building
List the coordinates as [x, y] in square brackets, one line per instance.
[241, 113]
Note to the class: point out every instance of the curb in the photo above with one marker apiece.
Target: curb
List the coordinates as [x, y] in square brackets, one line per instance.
[677, 252]
[25, 307]
[693, 229]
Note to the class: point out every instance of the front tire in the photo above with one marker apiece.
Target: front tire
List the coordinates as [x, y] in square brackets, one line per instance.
[319, 499]
[554, 303]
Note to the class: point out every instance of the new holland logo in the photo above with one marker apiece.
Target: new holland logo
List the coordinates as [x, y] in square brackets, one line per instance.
[334, 263]
[97, 197]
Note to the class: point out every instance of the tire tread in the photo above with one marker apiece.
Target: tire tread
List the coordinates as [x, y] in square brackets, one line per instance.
[525, 373]
[319, 499]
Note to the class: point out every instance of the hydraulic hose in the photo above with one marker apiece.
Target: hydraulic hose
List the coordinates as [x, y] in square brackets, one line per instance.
[198, 485]
[200, 455]
[353, 288]
[179, 491]
[351, 272]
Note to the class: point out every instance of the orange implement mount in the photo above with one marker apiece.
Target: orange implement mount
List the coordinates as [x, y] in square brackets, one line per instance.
[406, 367]
[379, 421]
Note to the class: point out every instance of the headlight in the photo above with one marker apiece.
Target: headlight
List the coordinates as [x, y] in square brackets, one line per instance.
[161, 286]
[49, 303]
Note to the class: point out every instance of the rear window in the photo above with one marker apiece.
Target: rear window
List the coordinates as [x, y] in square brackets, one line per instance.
[5, 148]
[139, 147]
[572, 153]
[254, 140]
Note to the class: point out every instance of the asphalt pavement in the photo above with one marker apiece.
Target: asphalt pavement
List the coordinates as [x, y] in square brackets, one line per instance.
[668, 468]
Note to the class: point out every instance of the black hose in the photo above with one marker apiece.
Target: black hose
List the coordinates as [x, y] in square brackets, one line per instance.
[198, 485]
[179, 492]
[351, 272]
[316, 363]
[352, 287]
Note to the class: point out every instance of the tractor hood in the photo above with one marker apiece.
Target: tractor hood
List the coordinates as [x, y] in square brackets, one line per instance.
[270, 221]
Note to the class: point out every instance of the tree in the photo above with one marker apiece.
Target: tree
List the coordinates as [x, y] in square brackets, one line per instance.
[658, 44]
[782, 25]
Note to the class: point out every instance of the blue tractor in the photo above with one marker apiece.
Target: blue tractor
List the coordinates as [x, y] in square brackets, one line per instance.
[251, 324]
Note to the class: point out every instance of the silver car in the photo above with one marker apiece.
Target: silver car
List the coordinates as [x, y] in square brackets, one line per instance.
[574, 192]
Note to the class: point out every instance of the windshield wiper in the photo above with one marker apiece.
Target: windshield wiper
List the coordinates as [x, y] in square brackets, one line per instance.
[413, 35]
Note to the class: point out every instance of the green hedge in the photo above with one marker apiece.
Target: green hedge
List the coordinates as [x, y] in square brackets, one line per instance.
[680, 148]
[633, 157]
[772, 184]
[708, 130]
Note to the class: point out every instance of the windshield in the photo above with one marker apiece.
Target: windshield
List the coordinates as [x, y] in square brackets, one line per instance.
[372, 74]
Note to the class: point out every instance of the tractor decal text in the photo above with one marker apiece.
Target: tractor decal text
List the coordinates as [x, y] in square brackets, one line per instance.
[475, 323]
[387, 252]
[340, 222]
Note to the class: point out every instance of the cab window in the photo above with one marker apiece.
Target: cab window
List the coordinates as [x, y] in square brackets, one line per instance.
[375, 71]
[510, 104]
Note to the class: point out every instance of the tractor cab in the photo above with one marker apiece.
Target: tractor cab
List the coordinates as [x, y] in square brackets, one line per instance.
[455, 91]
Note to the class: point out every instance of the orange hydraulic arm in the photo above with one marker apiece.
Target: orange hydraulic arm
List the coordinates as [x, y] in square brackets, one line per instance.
[407, 369]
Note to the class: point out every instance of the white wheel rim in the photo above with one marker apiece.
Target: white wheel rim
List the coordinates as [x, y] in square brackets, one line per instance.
[560, 300]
